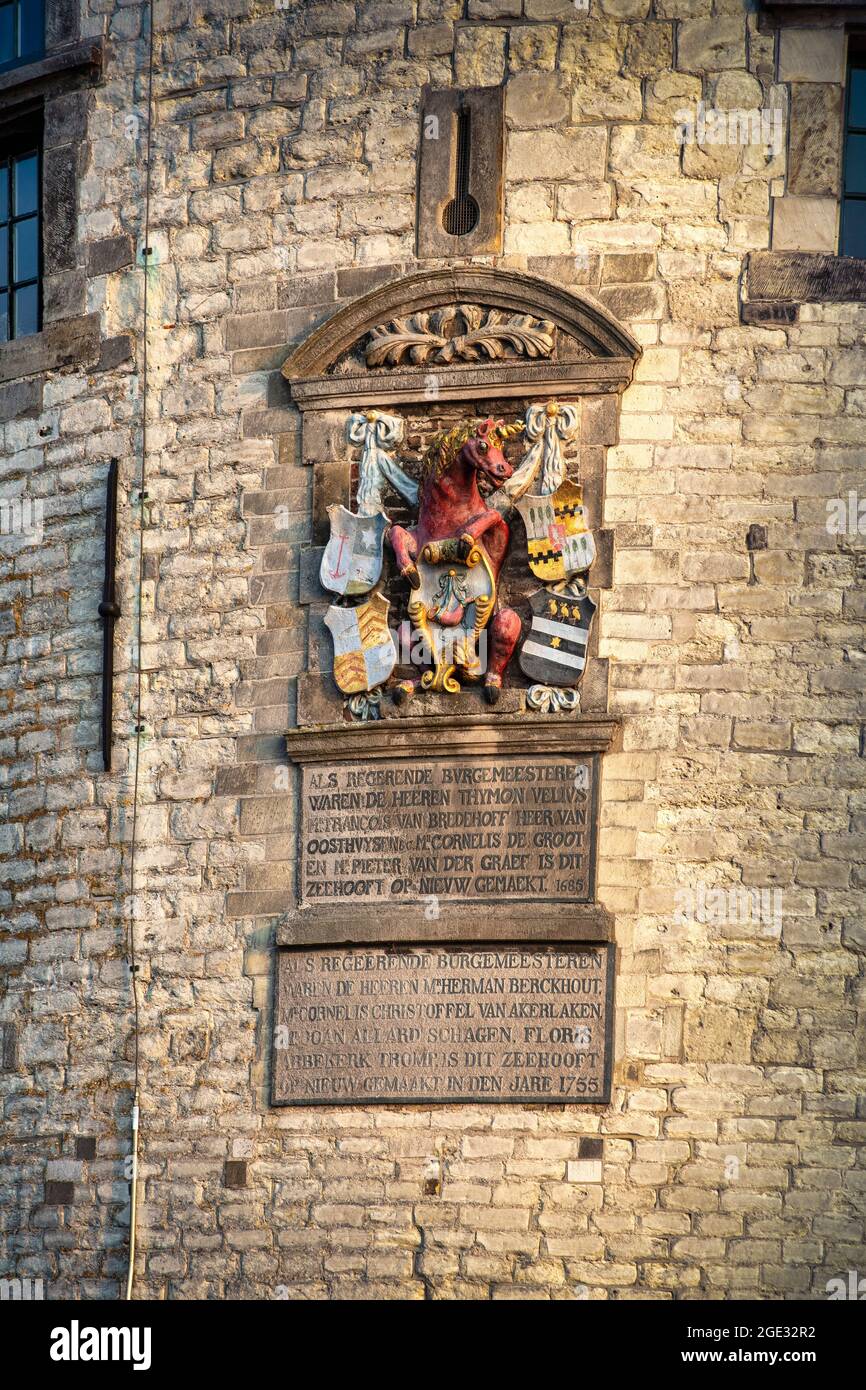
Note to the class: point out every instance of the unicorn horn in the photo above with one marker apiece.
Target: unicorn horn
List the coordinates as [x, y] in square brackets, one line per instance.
[504, 432]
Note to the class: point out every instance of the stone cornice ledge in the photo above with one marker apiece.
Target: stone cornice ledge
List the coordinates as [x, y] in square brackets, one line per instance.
[537, 379]
[405, 923]
[777, 281]
[63, 344]
[453, 736]
[803, 12]
[79, 59]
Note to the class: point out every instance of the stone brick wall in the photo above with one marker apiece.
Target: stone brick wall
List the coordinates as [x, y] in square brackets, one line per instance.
[731, 1160]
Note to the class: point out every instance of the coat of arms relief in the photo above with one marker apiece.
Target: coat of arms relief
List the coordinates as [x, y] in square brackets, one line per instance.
[462, 558]
[466, 499]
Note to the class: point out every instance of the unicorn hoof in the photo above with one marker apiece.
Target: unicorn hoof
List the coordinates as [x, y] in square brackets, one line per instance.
[411, 573]
[403, 692]
[492, 691]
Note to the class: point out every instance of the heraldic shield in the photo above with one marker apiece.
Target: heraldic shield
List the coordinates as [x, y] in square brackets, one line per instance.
[364, 650]
[450, 610]
[558, 540]
[352, 562]
[554, 651]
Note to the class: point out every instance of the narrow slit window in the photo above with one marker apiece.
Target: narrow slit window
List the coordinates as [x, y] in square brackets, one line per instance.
[20, 243]
[22, 32]
[853, 236]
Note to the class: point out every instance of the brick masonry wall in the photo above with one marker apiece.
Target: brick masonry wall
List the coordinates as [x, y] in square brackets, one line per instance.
[732, 1154]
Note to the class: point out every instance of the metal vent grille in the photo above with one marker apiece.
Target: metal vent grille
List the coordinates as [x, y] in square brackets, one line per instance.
[461, 213]
[461, 147]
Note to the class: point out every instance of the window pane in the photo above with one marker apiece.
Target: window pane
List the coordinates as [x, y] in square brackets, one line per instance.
[26, 311]
[26, 249]
[7, 34]
[4, 317]
[855, 164]
[4, 257]
[26, 178]
[32, 28]
[857, 98]
[4, 192]
[854, 228]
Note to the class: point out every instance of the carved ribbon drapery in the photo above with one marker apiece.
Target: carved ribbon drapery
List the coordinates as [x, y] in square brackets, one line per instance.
[376, 433]
[548, 427]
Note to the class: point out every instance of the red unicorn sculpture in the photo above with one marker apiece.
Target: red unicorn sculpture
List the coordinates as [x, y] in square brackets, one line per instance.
[457, 528]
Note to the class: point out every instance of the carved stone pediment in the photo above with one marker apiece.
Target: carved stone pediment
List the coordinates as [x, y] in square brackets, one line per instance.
[475, 330]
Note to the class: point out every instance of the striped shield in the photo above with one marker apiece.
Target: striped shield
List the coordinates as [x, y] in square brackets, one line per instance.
[554, 652]
[364, 650]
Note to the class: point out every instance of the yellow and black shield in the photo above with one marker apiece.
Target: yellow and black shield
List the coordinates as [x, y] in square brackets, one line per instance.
[558, 539]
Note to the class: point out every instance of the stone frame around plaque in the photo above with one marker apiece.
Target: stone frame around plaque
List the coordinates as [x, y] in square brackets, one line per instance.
[592, 351]
[415, 346]
[469, 737]
[438, 160]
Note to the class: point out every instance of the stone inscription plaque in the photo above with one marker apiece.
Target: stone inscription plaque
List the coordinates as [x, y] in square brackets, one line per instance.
[509, 828]
[491, 1022]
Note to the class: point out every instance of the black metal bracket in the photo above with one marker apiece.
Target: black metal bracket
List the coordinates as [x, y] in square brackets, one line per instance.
[109, 611]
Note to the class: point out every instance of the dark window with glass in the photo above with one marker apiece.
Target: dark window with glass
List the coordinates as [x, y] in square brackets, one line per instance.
[22, 32]
[853, 238]
[20, 242]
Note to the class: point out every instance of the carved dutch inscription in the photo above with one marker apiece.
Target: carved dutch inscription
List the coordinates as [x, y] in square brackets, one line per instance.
[515, 829]
[443, 1023]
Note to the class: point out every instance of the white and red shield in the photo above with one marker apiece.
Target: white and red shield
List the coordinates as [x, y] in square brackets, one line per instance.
[352, 562]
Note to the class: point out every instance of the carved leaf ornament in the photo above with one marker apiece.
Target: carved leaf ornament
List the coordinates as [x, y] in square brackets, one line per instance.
[430, 337]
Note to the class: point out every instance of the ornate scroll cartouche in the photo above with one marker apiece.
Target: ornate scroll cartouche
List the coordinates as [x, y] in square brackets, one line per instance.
[436, 336]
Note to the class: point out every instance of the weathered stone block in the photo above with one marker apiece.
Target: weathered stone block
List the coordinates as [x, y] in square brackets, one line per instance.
[625, 269]
[536, 100]
[430, 40]
[584, 202]
[812, 55]
[597, 47]
[815, 139]
[635, 301]
[579, 155]
[479, 56]
[108, 255]
[606, 97]
[59, 1194]
[494, 9]
[235, 163]
[649, 49]
[533, 46]
[805, 224]
[19, 398]
[709, 45]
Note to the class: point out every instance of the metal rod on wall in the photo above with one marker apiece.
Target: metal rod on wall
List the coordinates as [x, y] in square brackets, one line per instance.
[109, 611]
